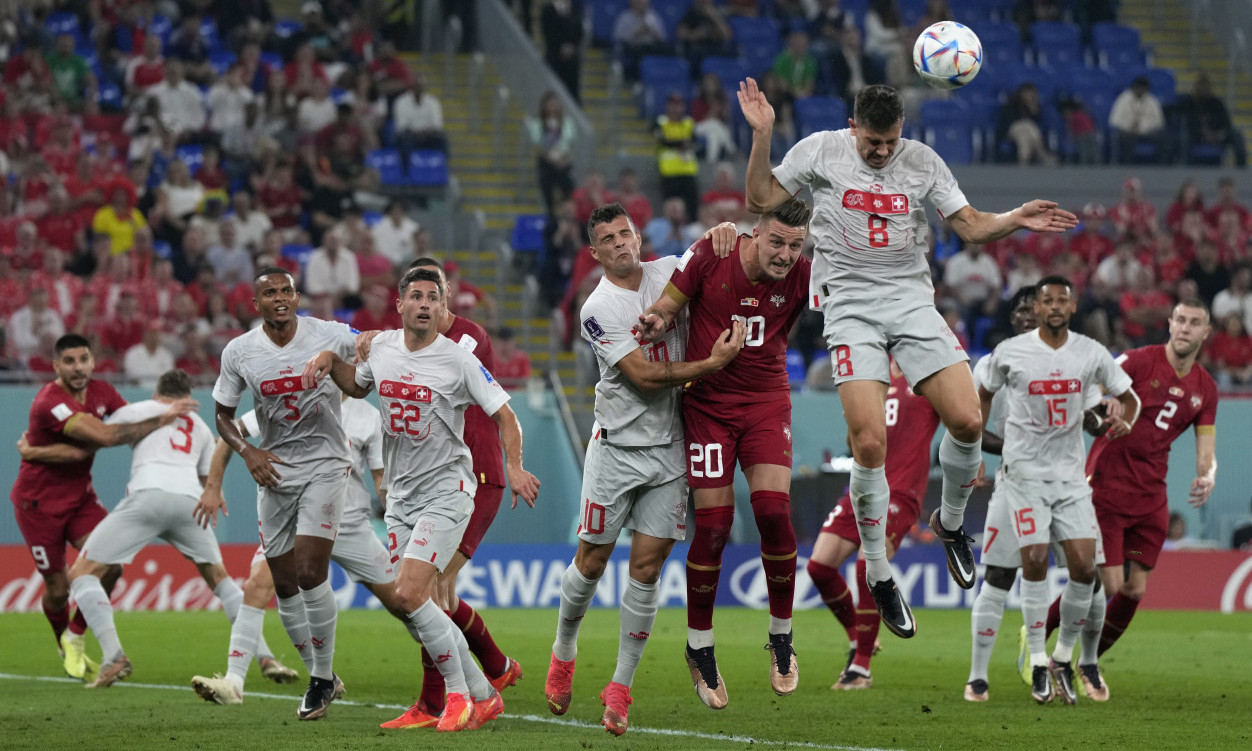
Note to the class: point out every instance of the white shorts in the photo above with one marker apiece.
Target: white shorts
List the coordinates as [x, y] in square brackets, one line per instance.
[860, 333]
[642, 489]
[312, 509]
[144, 516]
[1042, 511]
[359, 551]
[430, 529]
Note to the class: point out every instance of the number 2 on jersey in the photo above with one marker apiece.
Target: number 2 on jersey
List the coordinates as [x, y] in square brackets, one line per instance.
[1167, 411]
[183, 444]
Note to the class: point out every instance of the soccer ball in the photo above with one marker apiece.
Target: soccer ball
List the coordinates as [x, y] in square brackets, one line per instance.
[947, 55]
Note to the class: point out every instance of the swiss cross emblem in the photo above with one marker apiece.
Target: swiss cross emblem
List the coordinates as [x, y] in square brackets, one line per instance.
[778, 300]
[897, 202]
[1073, 386]
[421, 393]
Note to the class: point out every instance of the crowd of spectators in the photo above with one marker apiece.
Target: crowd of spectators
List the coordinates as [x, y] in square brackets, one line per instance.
[157, 153]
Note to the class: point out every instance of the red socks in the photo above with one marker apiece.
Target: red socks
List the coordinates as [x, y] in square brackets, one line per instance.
[867, 619]
[433, 689]
[1116, 618]
[479, 639]
[704, 563]
[778, 549]
[60, 620]
[1054, 616]
[835, 593]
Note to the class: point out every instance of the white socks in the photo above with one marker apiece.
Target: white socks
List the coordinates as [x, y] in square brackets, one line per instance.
[296, 624]
[638, 613]
[959, 462]
[1090, 638]
[244, 636]
[871, 498]
[984, 623]
[439, 637]
[1035, 614]
[322, 613]
[576, 593]
[1075, 604]
[96, 608]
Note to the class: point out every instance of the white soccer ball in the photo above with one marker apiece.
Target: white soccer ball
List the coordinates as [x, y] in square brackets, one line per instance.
[947, 55]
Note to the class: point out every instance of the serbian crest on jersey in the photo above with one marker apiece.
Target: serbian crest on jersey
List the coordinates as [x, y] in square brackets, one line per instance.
[778, 300]
[1196, 401]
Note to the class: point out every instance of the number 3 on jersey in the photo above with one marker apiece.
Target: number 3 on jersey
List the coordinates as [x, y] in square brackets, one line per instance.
[182, 444]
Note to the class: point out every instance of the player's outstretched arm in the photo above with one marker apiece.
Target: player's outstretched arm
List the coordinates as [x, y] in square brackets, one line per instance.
[211, 498]
[90, 429]
[974, 226]
[521, 482]
[53, 453]
[650, 376]
[762, 190]
[342, 373]
[1205, 466]
[656, 319]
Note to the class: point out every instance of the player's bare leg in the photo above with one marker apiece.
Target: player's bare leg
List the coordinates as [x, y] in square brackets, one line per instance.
[638, 614]
[985, 619]
[93, 602]
[577, 588]
[714, 513]
[1125, 586]
[770, 488]
[951, 392]
[863, 405]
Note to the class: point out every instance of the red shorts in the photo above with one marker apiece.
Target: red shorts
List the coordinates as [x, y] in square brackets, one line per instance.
[486, 503]
[47, 534]
[1132, 538]
[719, 435]
[902, 514]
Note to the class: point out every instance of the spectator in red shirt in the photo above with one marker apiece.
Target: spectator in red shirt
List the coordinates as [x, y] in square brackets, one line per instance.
[211, 175]
[1133, 218]
[115, 276]
[1231, 238]
[12, 290]
[196, 360]
[378, 313]
[512, 362]
[63, 287]
[343, 131]
[27, 72]
[1169, 264]
[465, 299]
[374, 267]
[1188, 199]
[14, 135]
[723, 202]
[1090, 244]
[62, 227]
[26, 254]
[145, 69]
[255, 71]
[1145, 309]
[390, 74]
[86, 192]
[85, 318]
[590, 194]
[160, 289]
[636, 203]
[303, 71]
[1228, 201]
[62, 148]
[1230, 353]
[281, 199]
[124, 329]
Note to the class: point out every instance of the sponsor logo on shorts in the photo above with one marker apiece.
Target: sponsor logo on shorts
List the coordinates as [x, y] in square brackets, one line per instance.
[787, 433]
[425, 527]
[420, 543]
[1135, 553]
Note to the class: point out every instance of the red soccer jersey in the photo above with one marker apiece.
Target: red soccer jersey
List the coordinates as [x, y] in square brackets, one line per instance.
[60, 487]
[1128, 474]
[719, 291]
[911, 424]
[481, 434]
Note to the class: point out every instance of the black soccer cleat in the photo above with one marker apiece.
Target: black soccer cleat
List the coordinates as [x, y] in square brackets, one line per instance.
[976, 690]
[960, 556]
[895, 612]
[1041, 684]
[317, 699]
[1063, 677]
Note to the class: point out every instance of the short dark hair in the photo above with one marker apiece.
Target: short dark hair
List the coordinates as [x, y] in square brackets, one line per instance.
[1194, 302]
[605, 214]
[1054, 279]
[421, 274]
[428, 262]
[70, 341]
[792, 212]
[878, 108]
[266, 271]
[1024, 293]
[175, 383]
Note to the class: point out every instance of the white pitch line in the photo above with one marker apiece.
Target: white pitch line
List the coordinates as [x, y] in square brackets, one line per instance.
[634, 729]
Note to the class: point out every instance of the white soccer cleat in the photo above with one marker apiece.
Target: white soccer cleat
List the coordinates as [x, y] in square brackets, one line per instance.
[217, 689]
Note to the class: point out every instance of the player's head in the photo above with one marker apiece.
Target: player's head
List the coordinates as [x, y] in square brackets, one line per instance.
[174, 384]
[421, 302]
[1055, 302]
[778, 239]
[1189, 326]
[1022, 310]
[274, 294]
[426, 262]
[614, 240]
[876, 123]
[73, 362]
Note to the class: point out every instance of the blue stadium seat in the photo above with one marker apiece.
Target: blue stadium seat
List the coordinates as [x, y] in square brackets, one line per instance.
[299, 253]
[428, 168]
[754, 30]
[758, 57]
[162, 249]
[208, 30]
[190, 155]
[946, 129]
[1001, 45]
[817, 113]
[671, 12]
[795, 366]
[1163, 85]
[162, 27]
[386, 162]
[729, 70]
[221, 62]
[109, 96]
[1115, 45]
[1057, 44]
[528, 233]
[911, 11]
[1044, 79]
[286, 27]
[603, 15]
[273, 60]
[371, 218]
[663, 66]
[62, 23]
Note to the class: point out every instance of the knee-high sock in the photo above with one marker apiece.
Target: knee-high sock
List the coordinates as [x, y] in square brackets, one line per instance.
[867, 620]
[59, 619]
[94, 604]
[1075, 603]
[959, 461]
[1054, 616]
[245, 635]
[78, 623]
[1120, 610]
[439, 638]
[322, 612]
[433, 688]
[296, 624]
[778, 555]
[576, 593]
[835, 593]
[479, 686]
[1034, 614]
[231, 597]
[984, 624]
[1093, 628]
[479, 638]
[871, 497]
[638, 613]
[704, 568]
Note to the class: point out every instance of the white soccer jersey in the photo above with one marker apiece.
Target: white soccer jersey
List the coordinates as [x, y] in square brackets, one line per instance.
[300, 426]
[423, 396]
[633, 417]
[869, 225]
[172, 458]
[1047, 392]
[365, 443]
[999, 402]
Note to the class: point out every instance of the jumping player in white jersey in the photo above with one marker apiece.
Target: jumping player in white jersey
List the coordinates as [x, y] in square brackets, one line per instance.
[634, 475]
[166, 470]
[357, 549]
[1000, 555]
[425, 382]
[1047, 373]
[299, 506]
[872, 283]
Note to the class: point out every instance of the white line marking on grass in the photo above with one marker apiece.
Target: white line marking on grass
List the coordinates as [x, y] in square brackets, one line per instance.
[746, 739]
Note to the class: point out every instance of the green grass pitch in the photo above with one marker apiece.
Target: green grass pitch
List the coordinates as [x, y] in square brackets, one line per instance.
[1178, 681]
